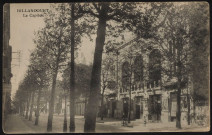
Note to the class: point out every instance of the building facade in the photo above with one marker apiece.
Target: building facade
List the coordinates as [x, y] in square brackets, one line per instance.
[140, 77]
[7, 58]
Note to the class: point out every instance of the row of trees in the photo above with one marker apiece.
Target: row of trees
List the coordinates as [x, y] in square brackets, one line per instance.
[65, 25]
[183, 52]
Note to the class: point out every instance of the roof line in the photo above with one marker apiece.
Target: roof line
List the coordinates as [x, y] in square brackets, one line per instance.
[128, 43]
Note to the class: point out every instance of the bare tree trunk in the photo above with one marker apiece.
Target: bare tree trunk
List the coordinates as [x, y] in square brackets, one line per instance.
[72, 77]
[189, 118]
[178, 112]
[28, 103]
[188, 106]
[51, 104]
[102, 103]
[129, 112]
[38, 107]
[131, 68]
[179, 80]
[23, 109]
[194, 113]
[31, 106]
[86, 100]
[46, 108]
[90, 119]
[65, 118]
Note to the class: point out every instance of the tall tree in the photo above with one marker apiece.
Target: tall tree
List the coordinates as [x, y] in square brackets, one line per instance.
[131, 16]
[65, 85]
[107, 72]
[38, 78]
[199, 40]
[79, 27]
[176, 38]
[53, 41]
[174, 48]
[33, 79]
[81, 81]
[103, 12]
[20, 97]
[72, 76]
[31, 105]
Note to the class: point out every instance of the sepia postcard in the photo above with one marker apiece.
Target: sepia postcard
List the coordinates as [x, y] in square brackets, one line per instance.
[106, 67]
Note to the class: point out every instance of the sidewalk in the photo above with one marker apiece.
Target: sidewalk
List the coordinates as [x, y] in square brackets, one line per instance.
[108, 120]
[139, 126]
[14, 125]
[18, 124]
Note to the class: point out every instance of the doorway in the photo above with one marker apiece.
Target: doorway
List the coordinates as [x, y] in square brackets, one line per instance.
[154, 107]
[125, 107]
[113, 108]
[138, 112]
[139, 107]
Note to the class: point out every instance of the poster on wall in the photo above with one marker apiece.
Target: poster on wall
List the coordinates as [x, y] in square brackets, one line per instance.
[173, 108]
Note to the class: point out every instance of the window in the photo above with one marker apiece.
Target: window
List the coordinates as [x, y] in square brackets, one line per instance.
[111, 85]
[125, 76]
[138, 71]
[154, 68]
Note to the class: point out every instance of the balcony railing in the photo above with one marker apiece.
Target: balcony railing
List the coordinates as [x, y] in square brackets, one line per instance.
[142, 86]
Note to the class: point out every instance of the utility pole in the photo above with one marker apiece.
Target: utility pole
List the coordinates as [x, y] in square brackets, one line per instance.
[17, 58]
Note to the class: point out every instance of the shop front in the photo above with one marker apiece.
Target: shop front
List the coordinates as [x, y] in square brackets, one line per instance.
[154, 108]
[139, 107]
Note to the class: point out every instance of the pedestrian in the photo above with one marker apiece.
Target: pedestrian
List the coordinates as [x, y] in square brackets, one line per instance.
[124, 119]
[145, 121]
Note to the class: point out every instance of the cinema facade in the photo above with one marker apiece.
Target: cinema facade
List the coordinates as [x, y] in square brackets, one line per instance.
[139, 75]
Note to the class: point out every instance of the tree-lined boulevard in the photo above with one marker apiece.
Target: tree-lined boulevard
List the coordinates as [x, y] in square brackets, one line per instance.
[181, 31]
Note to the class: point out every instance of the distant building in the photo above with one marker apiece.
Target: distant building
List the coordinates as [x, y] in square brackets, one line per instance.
[7, 58]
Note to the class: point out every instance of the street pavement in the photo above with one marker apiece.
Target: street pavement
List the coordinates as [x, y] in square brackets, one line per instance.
[18, 124]
[14, 124]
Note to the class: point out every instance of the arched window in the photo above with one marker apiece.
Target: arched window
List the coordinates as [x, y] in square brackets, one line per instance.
[154, 68]
[125, 76]
[138, 70]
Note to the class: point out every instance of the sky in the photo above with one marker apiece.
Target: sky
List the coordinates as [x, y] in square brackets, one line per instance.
[22, 30]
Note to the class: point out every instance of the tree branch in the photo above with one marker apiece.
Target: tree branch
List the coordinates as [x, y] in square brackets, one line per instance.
[87, 12]
[112, 17]
[78, 16]
[96, 7]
